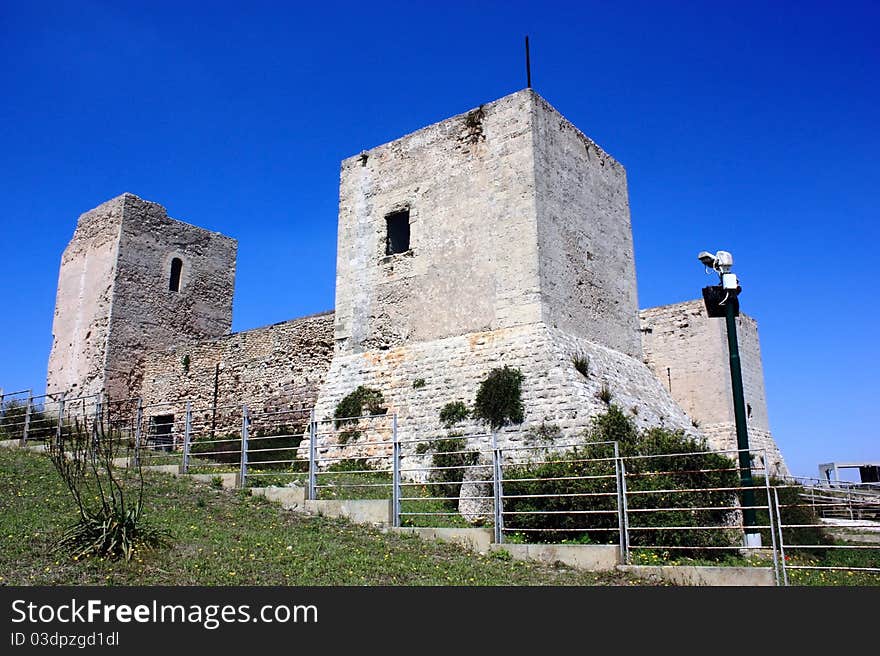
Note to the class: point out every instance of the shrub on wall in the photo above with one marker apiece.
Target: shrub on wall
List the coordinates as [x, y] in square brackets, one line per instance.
[353, 406]
[454, 412]
[499, 398]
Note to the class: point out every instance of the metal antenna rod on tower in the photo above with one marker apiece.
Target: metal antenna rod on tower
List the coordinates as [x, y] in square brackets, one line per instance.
[528, 65]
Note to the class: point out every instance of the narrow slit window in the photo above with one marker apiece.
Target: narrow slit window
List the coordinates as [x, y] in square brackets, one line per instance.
[397, 232]
[174, 281]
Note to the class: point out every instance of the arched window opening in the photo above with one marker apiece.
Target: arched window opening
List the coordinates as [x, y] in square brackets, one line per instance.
[176, 268]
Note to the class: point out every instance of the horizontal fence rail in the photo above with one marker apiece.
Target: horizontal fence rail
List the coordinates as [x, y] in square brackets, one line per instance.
[667, 508]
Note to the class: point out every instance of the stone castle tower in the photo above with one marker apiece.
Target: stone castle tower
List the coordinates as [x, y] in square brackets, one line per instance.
[688, 353]
[499, 236]
[134, 281]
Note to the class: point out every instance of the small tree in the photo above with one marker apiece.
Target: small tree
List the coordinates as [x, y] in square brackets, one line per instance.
[109, 499]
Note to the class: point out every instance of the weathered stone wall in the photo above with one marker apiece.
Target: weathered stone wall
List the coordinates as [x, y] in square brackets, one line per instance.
[146, 315]
[82, 306]
[277, 368]
[553, 391]
[114, 304]
[587, 264]
[688, 353]
[472, 265]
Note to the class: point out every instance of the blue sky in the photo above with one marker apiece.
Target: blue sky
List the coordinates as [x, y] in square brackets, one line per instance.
[747, 126]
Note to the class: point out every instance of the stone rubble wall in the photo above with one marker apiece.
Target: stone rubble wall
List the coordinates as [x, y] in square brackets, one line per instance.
[276, 369]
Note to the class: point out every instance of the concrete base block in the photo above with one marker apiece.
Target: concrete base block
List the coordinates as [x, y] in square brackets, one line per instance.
[163, 469]
[708, 576]
[362, 511]
[291, 498]
[477, 539]
[15, 444]
[227, 480]
[591, 557]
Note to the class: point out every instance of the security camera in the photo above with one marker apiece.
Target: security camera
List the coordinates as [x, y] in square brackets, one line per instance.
[707, 259]
[723, 260]
[720, 262]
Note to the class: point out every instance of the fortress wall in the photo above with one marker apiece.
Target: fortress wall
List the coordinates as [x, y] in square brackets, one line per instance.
[276, 367]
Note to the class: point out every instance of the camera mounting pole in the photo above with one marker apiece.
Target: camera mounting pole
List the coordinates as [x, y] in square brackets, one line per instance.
[723, 300]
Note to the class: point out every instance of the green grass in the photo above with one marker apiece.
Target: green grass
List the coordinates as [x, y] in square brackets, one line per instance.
[230, 538]
[834, 558]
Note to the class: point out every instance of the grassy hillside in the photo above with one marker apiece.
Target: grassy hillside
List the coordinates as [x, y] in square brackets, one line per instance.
[230, 538]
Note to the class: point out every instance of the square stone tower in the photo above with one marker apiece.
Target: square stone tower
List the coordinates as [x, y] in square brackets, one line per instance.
[504, 216]
[688, 352]
[134, 281]
[500, 236]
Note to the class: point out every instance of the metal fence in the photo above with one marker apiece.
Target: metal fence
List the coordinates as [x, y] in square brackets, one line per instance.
[656, 508]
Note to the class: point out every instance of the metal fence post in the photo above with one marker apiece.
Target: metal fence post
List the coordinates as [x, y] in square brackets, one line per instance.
[242, 474]
[96, 421]
[2, 407]
[27, 418]
[311, 491]
[621, 537]
[395, 477]
[781, 537]
[498, 492]
[60, 425]
[139, 418]
[626, 553]
[187, 433]
[772, 524]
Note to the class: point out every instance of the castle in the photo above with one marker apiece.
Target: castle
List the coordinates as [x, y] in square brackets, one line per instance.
[500, 236]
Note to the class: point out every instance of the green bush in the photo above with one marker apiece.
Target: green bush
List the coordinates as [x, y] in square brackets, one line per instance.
[454, 412]
[350, 465]
[580, 502]
[582, 364]
[352, 406]
[450, 452]
[545, 432]
[499, 398]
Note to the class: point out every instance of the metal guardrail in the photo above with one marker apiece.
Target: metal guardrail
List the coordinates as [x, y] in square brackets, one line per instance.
[575, 491]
